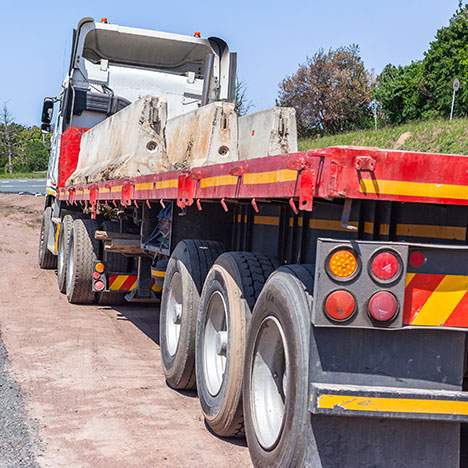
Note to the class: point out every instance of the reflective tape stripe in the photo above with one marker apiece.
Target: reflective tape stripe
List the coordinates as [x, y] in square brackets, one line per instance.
[443, 301]
[392, 405]
[415, 189]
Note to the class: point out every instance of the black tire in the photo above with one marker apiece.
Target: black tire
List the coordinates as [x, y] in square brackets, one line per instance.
[281, 315]
[47, 260]
[186, 271]
[115, 263]
[63, 252]
[82, 258]
[228, 298]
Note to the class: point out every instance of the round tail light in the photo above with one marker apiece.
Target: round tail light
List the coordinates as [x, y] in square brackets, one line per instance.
[96, 275]
[417, 259]
[340, 305]
[342, 264]
[383, 306]
[99, 285]
[386, 266]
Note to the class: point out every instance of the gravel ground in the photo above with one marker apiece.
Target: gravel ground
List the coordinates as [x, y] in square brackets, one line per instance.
[17, 448]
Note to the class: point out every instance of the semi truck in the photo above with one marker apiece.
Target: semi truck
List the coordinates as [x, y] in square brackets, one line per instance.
[317, 300]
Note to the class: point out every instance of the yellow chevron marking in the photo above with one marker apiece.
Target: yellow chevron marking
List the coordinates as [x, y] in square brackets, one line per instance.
[392, 405]
[118, 282]
[442, 301]
[167, 184]
[144, 186]
[409, 277]
[414, 189]
[270, 177]
[329, 225]
[216, 181]
[158, 273]
[300, 222]
[57, 236]
[369, 227]
[427, 230]
[267, 220]
[156, 287]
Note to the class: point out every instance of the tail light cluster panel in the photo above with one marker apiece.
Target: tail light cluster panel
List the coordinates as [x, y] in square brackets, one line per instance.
[359, 284]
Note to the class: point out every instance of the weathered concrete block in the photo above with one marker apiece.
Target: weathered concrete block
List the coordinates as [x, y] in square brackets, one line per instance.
[267, 133]
[129, 143]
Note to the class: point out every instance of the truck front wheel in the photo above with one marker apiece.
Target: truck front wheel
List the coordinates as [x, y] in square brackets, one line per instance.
[80, 262]
[185, 274]
[275, 390]
[228, 298]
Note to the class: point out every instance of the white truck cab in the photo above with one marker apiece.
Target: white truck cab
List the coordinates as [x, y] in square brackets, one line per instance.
[112, 66]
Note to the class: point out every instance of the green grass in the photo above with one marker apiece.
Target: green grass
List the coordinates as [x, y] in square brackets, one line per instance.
[24, 175]
[436, 136]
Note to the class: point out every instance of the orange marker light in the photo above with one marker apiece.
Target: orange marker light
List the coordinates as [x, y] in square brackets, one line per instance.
[342, 263]
[104, 20]
[99, 267]
[197, 34]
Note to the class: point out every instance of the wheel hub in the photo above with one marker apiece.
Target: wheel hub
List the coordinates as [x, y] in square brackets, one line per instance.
[215, 343]
[269, 385]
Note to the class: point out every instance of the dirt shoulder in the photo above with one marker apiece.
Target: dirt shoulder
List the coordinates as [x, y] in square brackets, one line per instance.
[91, 376]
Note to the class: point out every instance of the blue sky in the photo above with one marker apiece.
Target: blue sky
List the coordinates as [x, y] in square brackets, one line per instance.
[271, 37]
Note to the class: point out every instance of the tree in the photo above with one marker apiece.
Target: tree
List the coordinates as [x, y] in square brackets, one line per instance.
[400, 92]
[423, 89]
[33, 150]
[447, 59]
[331, 92]
[242, 102]
[6, 121]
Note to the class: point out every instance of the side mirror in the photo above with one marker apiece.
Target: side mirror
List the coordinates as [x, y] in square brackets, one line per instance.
[47, 111]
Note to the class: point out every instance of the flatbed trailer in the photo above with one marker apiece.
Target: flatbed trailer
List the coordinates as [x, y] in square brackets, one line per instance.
[400, 382]
[317, 300]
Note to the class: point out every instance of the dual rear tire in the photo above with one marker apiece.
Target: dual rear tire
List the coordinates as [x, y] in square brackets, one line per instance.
[275, 387]
[228, 298]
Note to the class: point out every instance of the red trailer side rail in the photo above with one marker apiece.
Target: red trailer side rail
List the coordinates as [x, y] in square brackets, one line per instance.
[335, 172]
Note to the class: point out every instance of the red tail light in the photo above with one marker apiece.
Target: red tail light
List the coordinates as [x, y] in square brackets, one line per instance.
[340, 305]
[383, 306]
[417, 259]
[96, 275]
[99, 285]
[386, 266]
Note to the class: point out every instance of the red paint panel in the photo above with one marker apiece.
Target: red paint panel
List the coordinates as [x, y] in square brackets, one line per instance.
[417, 293]
[459, 317]
[69, 150]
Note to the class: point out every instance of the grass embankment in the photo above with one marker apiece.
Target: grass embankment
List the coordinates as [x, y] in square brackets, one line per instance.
[436, 136]
[24, 175]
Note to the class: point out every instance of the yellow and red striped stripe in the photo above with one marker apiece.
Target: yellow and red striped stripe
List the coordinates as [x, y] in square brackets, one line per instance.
[122, 282]
[125, 283]
[436, 300]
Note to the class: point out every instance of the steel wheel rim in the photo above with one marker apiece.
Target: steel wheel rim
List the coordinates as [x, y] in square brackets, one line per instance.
[269, 382]
[70, 265]
[174, 313]
[215, 342]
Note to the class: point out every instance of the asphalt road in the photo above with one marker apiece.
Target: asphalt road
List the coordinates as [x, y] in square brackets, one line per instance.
[32, 186]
